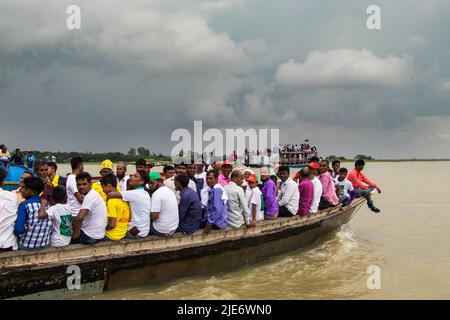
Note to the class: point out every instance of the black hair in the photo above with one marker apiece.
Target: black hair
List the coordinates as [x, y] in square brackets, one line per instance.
[304, 173]
[76, 162]
[59, 194]
[53, 165]
[34, 183]
[141, 162]
[314, 159]
[335, 162]
[284, 169]
[183, 179]
[325, 160]
[343, 170]
[110, 178]
[84, 176]
[360, 162]
[167, 168]
[144, 176]
[39, 164]
[235, 173]
[181, 164]
[215, 173]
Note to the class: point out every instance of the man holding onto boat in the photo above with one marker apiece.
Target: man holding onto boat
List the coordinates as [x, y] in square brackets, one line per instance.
[357, 178]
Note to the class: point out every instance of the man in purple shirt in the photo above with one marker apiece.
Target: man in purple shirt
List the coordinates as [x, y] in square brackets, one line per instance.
[214, 200]
[269, 192]
[329, 197]
[306, 191]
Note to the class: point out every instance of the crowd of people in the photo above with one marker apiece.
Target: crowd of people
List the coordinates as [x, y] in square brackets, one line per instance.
[50, 210]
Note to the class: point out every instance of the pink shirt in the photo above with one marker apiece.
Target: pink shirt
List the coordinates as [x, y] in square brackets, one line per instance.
[223, 181]
[357, 179]
[329, 189]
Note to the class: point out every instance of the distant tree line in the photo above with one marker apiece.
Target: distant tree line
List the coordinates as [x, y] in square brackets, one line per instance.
[359, 156]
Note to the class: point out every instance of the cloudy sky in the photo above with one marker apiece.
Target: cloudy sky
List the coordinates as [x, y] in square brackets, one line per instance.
[137, 70]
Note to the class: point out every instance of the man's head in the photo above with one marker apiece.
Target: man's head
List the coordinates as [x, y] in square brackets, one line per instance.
[139, 179]
[265, 173]
[109, 183]
[237, 177]
[77, 164]
[140, 165]
[212, 178]
[26, 174]
[51, 169]
[181, 181]
[168, 171]
[18, 151]
[323, 166]
[313, 169]
[247, 173]
[121, 170]
[180, 168]
[3, 148]
[359, 164]
[304, 174]
[314, 159]
[148, 167]
[226, 169]
[33, 186]
[59, 194]
[283, 173]
[83, 180]
[192, 169]
[252, 181]
[41, 169]
[336, 164]
[106, 167]
[343, 173]
[155, 181]
[199, 166]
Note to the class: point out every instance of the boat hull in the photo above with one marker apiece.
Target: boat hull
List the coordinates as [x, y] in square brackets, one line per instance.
[44, 273]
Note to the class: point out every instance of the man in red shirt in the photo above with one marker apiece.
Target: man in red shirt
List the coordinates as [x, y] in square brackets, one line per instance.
[357, 178]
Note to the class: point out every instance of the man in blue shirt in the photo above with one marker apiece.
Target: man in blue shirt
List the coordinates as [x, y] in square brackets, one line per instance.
[190, 208]
[33, 233]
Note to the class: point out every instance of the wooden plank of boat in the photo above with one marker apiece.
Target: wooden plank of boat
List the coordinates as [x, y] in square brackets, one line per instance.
[32, 272]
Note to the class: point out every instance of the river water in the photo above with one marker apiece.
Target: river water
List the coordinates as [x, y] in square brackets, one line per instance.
[409, 241]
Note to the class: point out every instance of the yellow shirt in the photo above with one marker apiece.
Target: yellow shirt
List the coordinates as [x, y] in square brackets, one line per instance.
[120, 210]
[55, 180]
[98, 187]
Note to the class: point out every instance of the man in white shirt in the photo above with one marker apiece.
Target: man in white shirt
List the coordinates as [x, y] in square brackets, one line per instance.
[164, 212]
[140, 204]
[255, 201]
[237, 203]
[8, 215]
[122, 176]
[288, 197]
[90, 224]
[317, 185]
[74, 198]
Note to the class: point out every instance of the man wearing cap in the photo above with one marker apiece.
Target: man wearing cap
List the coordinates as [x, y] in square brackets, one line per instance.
[269, 192]
[317, 186]
[164, 210]
[237, 203]
[255, 201]
[122, 176]
[106, 167]
[288, 196]
[224, 176]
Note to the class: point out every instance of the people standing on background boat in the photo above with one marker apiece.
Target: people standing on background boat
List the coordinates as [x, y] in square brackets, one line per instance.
[121, 175]
[288, 196]
[8, 216]
[357, 178]
[335, 165]
[269, 193]
[106, 168]
[74, 197]
[313, 168]
[329, 197]
[90, 224]
[214, 200]
[164, 209]
[118, 211]
[189, 209]
[225, 170]
[54, 177]
[306, 192]
[5, 157]
[237, 204]
[41, 170]
[30, 160]
[32, 232]
[345, 186]
[59, 216]
[17, 158]
[255, 202]
[140, 204]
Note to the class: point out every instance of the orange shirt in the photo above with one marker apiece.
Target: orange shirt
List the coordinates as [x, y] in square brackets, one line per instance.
[357, 178]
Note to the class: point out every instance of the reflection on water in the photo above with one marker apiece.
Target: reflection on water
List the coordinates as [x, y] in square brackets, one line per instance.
[409, 240]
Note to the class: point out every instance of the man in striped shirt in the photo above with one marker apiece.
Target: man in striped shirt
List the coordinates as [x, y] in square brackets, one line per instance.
[33, 233]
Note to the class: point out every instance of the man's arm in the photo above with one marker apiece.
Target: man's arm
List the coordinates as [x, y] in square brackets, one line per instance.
[370, 183]
[183, 208]
[243, 205]
[114, 195]
[19, 228]
[154, 216]
[287, 195]
[78, 222]
[42, 213]
[79, 197]
[111, 223]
